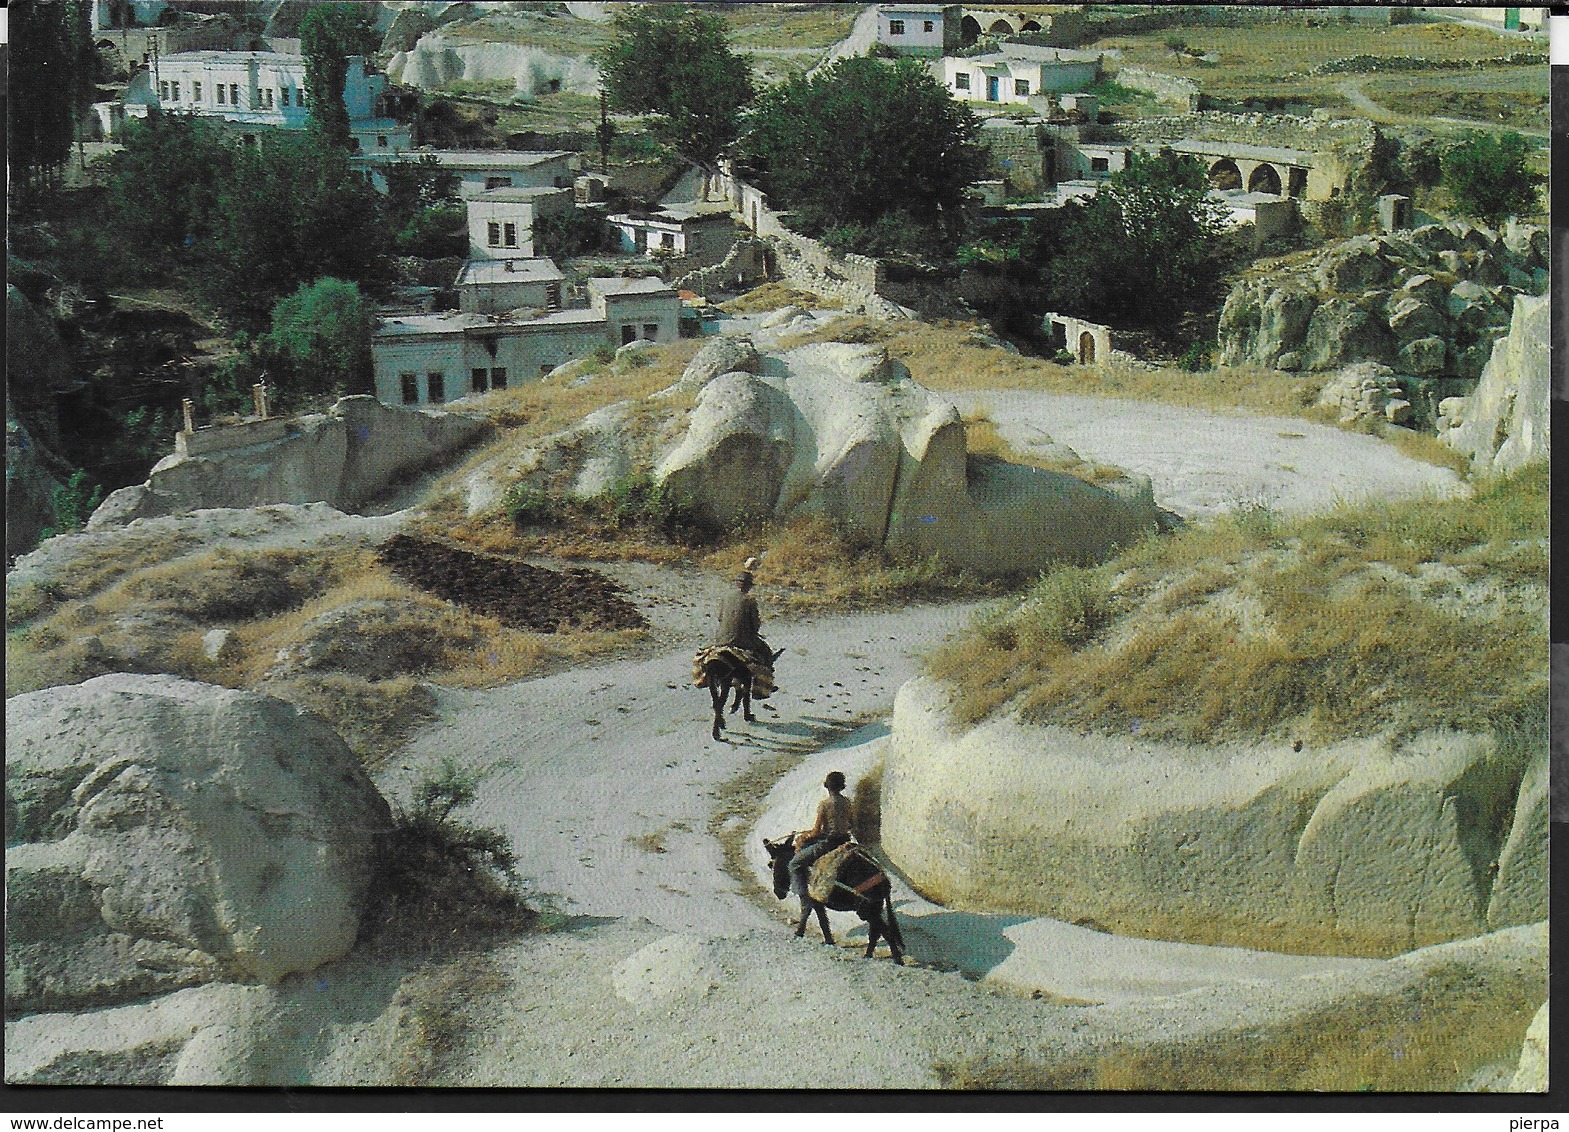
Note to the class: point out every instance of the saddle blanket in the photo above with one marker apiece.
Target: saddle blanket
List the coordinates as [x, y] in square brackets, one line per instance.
[823, 878]
[762, 675]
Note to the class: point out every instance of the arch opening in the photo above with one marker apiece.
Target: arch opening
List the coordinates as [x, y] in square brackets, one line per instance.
[1086, 348]
[1224, 175]
[1000, 27]
[1264, 179]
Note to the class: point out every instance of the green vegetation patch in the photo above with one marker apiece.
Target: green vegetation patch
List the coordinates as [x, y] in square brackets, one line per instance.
[1256, 623]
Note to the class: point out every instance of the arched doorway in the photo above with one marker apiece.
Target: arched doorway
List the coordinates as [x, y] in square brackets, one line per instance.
[1296, 181]
[1224, 175]
[969, 30]
[1264, 180]
[1086, 347]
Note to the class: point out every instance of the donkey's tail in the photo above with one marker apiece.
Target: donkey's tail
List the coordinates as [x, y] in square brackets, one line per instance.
[890, 920]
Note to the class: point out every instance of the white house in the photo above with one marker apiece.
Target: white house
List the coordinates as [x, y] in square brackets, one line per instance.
[483, 170]
[919, 29]
[429, 359]
[491, 286]
[501, 221]
[1019, 72]
[252, 91]
[706, 235]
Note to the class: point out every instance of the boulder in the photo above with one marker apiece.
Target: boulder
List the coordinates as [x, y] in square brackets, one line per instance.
[840, 430]
[781, 317]
[1341, 331]
[719, 355]
[163, 832]
[1364, 847]
[1531, 1076]
[345, 457]
[1423, 356]
[1353, 266]
[1506, 422]
[1410, 318]
[218, 644]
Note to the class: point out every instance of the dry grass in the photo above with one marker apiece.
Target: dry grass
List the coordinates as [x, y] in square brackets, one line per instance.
[982, 439]
[1337, 649]
[772, 296]
[769, 25]
[1432, 1038]
[91, 569]
[439, 1006]
[950, 356]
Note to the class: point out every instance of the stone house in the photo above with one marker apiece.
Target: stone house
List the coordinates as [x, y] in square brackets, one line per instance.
[491, 286]
[700, 236]
[485, 170]
[501, 221]
[256, 91]
[1019, 72]
[430, 359]
[919, 29]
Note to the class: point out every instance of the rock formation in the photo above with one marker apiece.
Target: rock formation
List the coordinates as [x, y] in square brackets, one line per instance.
[1531, 1076]
[1505, 423]
[1360, 848]
[1425, 302]
[343, 457]
[162, 833]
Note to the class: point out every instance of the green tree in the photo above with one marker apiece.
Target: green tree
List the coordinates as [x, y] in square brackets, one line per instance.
[424, 209]
[1487, 176]
[320, 340]
[42, 89]
[866, 142]
[1143, 249]
[569, 233]
[162, 195]
[329, 35]
[675, 63]
[293, 211]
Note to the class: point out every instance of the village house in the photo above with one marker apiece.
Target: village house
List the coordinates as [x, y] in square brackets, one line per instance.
[700, 235]
[1018, 72]
[919, 29]
[430, 359]
[501, 221]
[256, 91]
[483, 170]
[493, 286]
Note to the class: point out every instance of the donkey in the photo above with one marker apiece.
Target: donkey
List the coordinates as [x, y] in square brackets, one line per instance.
[861, 887]
[722, 672]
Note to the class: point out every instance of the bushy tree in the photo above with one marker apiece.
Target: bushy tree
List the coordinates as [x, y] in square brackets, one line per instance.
[1487, 176]
[867, 142]
[163, 187]
[1143, 249]
[424, 210]
[293, 211]
[329, 35]
[675, 63]
[43, 88]
[320, 340]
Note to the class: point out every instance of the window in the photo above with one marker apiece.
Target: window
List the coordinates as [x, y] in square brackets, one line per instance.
[234, 94]
[223, 92]
[498, 182]
[1100, 164]
[1021, 86]
[174, 92]
[895, 27]
[667, 240]
[436, 386]
[196, 92]
[651, 331]
[498, 377]
[163, 91]
[283, 95]
[477, 379]
[628, 333]
[926, 25]
[256, 99]
[268, 93]
[410, 388]
[381, 141]
[510, 234]
[961, 81]
[493, 233]
[302, 97]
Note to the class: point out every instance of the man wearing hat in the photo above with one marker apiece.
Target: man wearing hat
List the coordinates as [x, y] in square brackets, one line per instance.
[739, 620]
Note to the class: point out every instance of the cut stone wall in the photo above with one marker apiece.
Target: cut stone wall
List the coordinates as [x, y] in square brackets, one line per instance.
[1170, 89]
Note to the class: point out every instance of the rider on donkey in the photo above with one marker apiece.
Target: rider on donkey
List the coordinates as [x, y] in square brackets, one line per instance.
[830, 829]
[739, 620]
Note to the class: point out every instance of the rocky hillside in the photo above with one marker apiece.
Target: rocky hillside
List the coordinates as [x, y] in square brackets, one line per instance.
[1426, 302]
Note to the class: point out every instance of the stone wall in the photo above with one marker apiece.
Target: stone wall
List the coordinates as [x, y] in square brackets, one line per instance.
[1283, 130]
[1170, 89]
[1018, 154]
[746, 264]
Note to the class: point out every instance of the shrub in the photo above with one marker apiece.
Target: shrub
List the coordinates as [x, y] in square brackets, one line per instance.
[444, 877]
[530, 507]
[73, 503]
[1197, 357]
